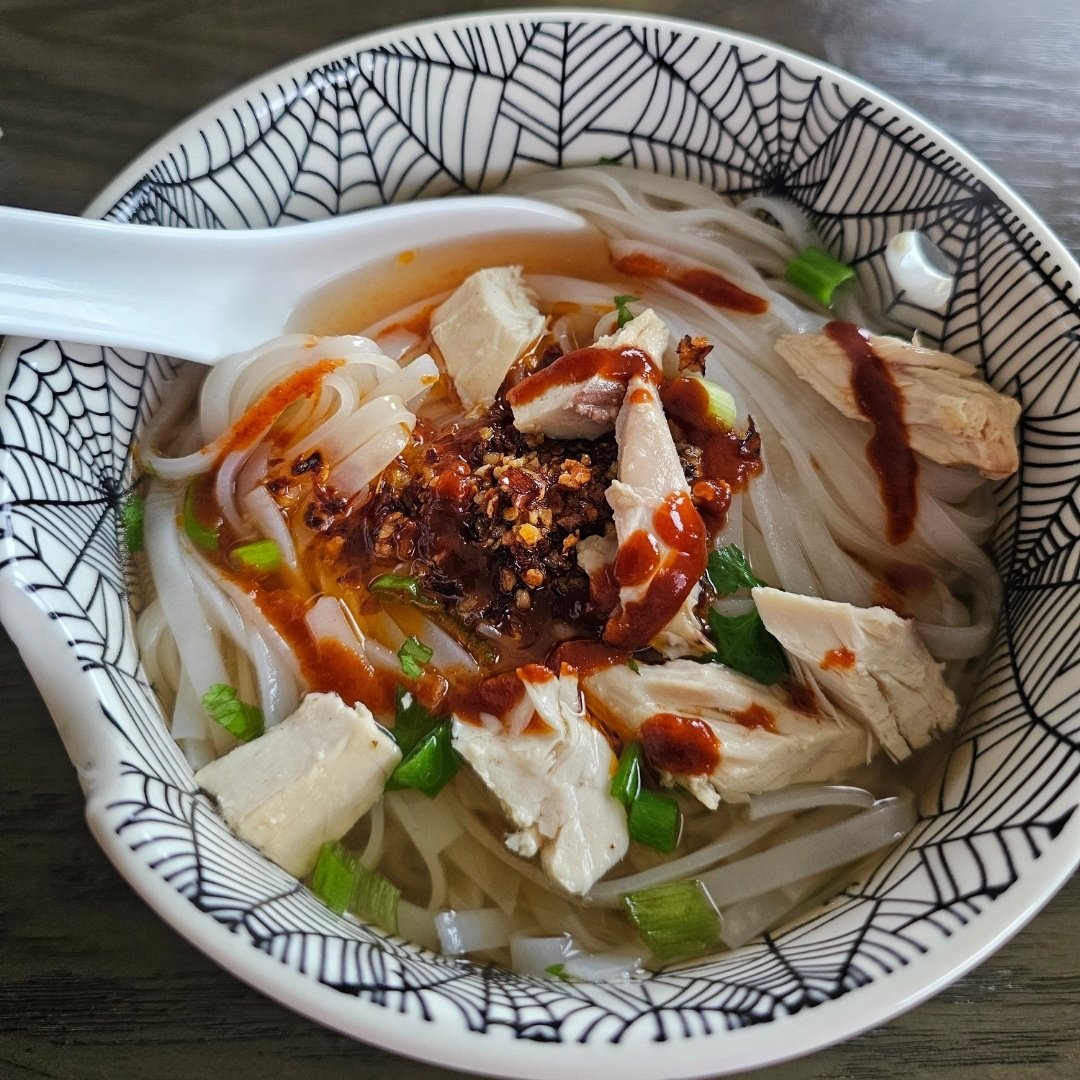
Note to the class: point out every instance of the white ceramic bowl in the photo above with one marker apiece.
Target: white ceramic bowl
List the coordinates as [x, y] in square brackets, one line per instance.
[460, 105]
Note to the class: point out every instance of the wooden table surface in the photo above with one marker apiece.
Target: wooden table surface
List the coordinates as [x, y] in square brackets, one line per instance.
[92, 984]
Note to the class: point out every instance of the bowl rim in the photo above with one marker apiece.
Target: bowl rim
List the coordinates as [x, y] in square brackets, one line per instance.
[495, 1052]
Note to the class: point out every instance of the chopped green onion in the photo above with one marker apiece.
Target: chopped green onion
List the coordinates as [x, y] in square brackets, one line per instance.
[344, 883]
[603, 160]
[655, 820]
[729, 571]
[262, 556]
[622, 309]
[225, 708]
[412, 721]
[626, 783]
[634, 666]
[558, 971]
[401, 588]
[413, 655]
[743, 643]
[131, 517]
[818, 274]
[205, 536]
[675, 920]
[721, 403]
[334, 877]
[429, 766]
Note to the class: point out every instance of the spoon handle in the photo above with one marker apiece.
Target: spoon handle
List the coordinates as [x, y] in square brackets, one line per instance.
[97, 282]
[204, 294]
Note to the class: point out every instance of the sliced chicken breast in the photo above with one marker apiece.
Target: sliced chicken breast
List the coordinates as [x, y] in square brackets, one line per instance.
[952, 415]
[869, 662]
[721, 735]
[579, 395]
[553, 783]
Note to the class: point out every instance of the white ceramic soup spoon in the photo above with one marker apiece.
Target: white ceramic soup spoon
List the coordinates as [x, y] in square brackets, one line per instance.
[203, 294]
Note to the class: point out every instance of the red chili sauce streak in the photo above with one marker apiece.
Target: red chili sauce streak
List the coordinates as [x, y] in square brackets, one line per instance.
[678, 525]
[254, 423]
[800, 696]
[889, 450]
[638, 557]
[326, 665]
[586, 656]
[754, 716]
[710, 286]
[729, 460]
[496, 695]
[683, 745]
[908, 579]
[615, 365]
[841, 659]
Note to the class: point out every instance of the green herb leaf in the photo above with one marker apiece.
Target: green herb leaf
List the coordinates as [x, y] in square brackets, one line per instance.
[655, 820]
[412, 721]
[413, 655]
[344, 883]
[729, 571]
[622, 311]
[818, 274]
[675, 920]
[131, 517]
[206, 536]
[261, 556]
[743, 643]
[402, 589]
[626, 783]
[430, 765]
[607, 160]
[236, 716]
[634, 666]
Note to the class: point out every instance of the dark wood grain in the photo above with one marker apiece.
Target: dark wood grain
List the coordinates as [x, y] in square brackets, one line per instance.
[92, 984]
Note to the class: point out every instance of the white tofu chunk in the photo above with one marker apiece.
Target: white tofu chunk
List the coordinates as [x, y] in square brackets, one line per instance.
[486, 325]
[553, 785]
[563, 402]
[306, 781]
[761, 741]
[952, 416]
[869, 662]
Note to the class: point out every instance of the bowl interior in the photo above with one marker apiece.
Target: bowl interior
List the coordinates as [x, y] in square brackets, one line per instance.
[461, 106]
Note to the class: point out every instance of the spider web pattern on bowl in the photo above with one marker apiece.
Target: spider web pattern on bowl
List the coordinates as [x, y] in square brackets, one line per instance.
[442, 112]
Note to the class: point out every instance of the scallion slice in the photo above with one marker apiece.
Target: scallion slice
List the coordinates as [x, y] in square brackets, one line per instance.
[205, 536]
[413, 655]
[654, 819]
[818, 274]
[412, 721]
[401, 588]
[261, 556]
[430, 765]
[238, 717]
[675, 920]
[344, 883]
[131, 517]
[626, 783]
[721, 404]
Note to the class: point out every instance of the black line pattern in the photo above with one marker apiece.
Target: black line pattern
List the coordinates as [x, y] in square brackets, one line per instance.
[461, 108]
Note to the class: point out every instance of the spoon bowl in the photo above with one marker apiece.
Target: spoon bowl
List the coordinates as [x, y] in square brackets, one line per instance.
[128, 286]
